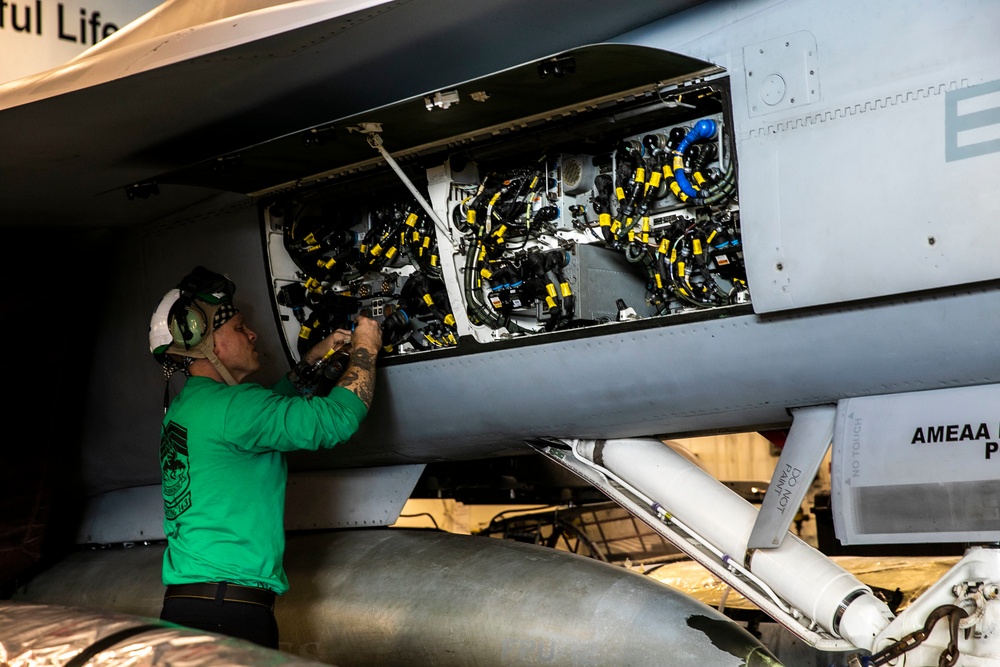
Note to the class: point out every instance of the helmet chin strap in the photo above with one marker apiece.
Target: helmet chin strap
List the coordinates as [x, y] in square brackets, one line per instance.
[206, 348]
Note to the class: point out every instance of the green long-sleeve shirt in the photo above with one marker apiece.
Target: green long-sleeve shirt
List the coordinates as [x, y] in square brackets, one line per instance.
[224, 473]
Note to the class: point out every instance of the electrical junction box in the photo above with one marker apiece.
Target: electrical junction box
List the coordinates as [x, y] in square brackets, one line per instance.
[602, 277]
[918, 467]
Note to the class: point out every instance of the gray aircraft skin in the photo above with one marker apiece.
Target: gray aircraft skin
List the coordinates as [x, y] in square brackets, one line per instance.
[866, 180]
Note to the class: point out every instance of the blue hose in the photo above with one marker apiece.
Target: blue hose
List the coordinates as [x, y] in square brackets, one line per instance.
[703, 129]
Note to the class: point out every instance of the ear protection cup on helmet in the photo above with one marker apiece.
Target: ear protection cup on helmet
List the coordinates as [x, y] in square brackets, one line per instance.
[188, 323]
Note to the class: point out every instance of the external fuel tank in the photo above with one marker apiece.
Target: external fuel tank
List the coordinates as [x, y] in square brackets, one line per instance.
[391, 597]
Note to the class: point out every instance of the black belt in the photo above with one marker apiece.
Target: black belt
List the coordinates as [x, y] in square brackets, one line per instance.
[222, 592]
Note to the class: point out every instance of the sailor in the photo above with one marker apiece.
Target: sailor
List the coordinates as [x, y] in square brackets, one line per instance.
[222, 457]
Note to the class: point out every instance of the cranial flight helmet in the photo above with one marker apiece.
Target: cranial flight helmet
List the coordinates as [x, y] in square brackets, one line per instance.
[183, 323]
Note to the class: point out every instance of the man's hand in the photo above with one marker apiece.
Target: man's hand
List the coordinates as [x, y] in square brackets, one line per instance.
[359, 376]
[367, 334]
[334, 341]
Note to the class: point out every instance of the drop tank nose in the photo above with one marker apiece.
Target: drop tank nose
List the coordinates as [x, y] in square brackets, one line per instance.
[734, 640]
[761, 657]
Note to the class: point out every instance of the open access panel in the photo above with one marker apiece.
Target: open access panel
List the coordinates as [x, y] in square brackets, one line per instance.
[592, 189]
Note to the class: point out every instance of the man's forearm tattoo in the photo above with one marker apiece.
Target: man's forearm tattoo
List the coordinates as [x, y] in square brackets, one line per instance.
[359, 377]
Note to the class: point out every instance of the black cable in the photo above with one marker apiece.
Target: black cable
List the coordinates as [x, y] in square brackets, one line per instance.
[523, 509]
[426, 514]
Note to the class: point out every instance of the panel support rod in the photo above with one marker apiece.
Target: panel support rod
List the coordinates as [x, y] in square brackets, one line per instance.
[375, 141]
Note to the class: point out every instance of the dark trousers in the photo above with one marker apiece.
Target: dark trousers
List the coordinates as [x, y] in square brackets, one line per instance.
[243, 620]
